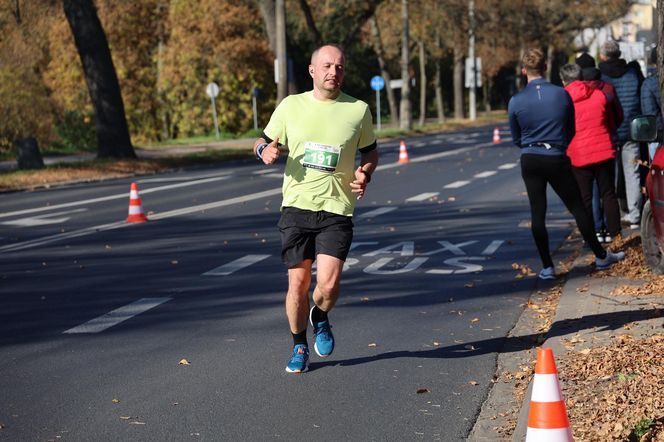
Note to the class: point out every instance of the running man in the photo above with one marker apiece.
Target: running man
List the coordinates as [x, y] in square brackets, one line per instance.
[323, 129]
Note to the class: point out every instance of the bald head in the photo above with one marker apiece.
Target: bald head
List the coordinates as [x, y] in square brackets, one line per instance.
[327, 70]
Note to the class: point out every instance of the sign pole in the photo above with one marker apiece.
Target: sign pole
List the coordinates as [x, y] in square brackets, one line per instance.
[212, 90]
[214, 115]
[253, 107]
[378, 109]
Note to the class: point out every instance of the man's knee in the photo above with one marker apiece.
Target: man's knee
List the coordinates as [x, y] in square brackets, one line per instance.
[328, 287]
[299, 279]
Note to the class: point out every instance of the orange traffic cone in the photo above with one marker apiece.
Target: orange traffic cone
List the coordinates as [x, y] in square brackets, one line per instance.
[136, 214]
[496, 136]
[547, 420]
[403, 153]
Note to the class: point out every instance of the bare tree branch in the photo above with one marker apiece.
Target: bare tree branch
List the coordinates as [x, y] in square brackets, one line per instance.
[315, 33]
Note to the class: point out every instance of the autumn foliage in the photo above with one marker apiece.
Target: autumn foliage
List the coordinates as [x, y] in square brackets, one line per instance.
[165, 53]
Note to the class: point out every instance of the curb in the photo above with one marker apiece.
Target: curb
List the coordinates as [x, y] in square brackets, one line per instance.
[496, 408]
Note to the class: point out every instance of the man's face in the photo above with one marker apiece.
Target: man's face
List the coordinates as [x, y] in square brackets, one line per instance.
[327, 71]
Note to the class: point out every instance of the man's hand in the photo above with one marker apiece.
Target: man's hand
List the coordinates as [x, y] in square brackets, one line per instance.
[271, 152]
[359, 185]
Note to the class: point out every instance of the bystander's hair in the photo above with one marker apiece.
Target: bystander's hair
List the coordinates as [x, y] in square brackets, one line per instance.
[570, 72]
[610, 49]
[533, 61]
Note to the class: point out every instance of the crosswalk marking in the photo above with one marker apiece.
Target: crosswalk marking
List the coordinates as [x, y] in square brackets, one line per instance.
[236, 265]
[117, 316]
[507, 166]
[486, 174]
[422, 197]
[456, 184]
[377, 212]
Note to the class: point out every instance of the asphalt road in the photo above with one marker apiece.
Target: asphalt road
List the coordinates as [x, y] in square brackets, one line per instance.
[96, 314]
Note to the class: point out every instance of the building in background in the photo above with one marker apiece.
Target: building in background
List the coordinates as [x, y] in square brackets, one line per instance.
[636, 32]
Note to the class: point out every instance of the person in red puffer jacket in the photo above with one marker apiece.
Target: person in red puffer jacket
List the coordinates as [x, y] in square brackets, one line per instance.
[591, 150]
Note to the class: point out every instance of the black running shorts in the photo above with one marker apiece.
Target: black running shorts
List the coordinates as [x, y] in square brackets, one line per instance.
[304, 234]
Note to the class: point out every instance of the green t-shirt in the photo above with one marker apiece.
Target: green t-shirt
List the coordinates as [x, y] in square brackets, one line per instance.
[323, 138]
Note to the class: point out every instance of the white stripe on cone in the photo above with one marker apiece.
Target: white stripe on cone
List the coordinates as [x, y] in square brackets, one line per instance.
[548, 435]
[133, 194]
[546, 388]
[135, 210]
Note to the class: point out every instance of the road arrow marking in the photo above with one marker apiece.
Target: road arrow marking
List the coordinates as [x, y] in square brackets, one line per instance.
[43, 220]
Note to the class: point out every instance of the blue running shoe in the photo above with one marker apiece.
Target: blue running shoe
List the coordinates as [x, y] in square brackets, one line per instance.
[324, 340]
[298, 362]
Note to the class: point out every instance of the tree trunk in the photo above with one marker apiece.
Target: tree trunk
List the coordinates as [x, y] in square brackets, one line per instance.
[112, 131]
[268, 12]
[458, 82]
[438, 86]
[380, 54]
[28, 155]
[423, 83]
[406, 115]
[488, 85]
[282, 86]
[549, 62]
[660, 48]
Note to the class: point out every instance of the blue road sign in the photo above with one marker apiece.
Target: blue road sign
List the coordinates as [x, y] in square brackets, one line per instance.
[377, 83]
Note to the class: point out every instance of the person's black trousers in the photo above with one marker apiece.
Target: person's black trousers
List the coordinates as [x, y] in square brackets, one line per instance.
[604, 173]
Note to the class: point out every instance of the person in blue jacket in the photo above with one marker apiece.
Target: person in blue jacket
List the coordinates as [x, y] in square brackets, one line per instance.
[651, 103]
[626, 80]
[541, 119]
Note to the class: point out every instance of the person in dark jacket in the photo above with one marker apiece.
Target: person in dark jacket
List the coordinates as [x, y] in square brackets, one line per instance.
[651, 103]
[626, 81]
[593, 78]
[591, 150]
[541, 119]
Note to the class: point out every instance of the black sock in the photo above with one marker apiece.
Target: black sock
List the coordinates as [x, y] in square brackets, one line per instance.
[318, 315]
[300, 338]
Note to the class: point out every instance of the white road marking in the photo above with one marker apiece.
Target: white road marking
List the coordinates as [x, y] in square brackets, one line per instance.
[507, 166]
[456, 184]
[181, 179]
[43, 220]
[493, 247]
[273, 175]
[236, 265]
[117, 316]
[112, 197]
[120, 224]
[377, 212]
[261, 171]
[422, 196]
[486, 174]
[559, 223]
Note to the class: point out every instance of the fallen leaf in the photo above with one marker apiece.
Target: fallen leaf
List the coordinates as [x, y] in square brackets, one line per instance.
[469, 285]
[136, 423]
[423, 390]
[184, 362]
[473, 382]
[174, 262]
[475, 320]
[116, 401]
[373, 344]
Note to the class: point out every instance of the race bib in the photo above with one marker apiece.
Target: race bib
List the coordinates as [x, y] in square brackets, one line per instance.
[321, 156]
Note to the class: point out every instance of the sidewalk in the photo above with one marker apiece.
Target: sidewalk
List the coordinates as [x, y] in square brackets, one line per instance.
[149, 152]
[594, 312]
